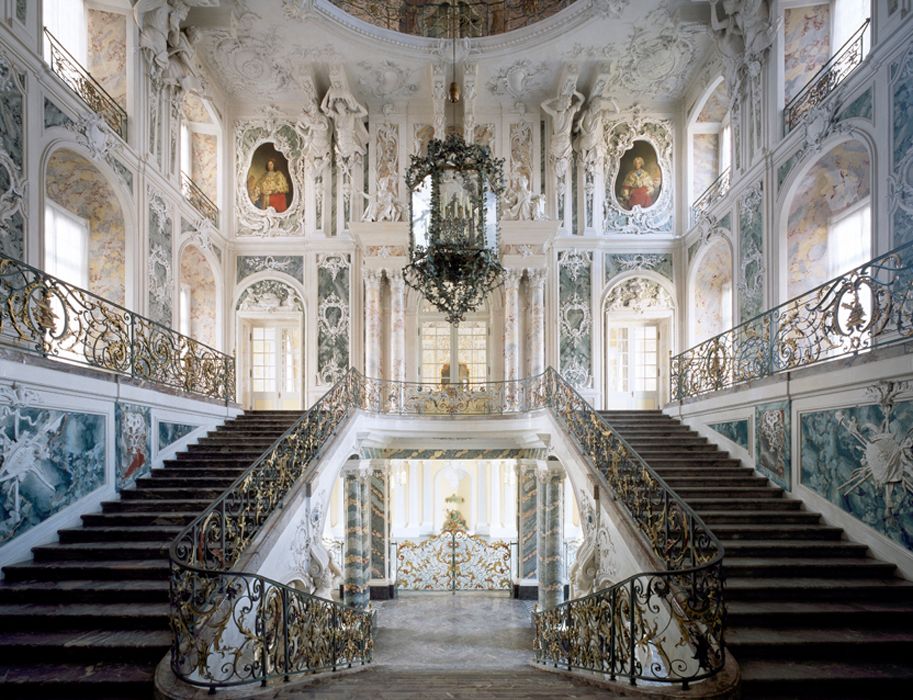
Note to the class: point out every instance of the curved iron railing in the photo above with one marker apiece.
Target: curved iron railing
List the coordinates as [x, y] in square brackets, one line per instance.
[231, 628]
[715, 191]
[847, 58]
[42, 314]
[868, 307]
[662, 626]
[198, 199]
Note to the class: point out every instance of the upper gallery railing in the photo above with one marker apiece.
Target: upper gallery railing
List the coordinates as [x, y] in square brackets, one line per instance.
[80, 81]
[43, 314]
[823, 83]
[868, 307]
[717, 189]
[232, 628]
[198, 199]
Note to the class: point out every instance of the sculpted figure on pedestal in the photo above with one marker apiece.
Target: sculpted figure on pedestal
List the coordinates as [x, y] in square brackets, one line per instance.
[520, 204]
[743, 35]
[382, 205]
[348, 116]
[562, 109]
[591, 123]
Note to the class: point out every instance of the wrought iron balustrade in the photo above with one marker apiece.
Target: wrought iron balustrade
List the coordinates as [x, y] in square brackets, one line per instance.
[870, 306]
[80, 81]
[42, 314]
[716, 191]
[203, 204]
[825, 81]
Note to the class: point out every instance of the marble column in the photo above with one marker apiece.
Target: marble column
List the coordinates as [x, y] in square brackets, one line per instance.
[536, 321]
[527, 530]
[356, 588]
[397, 326]
[377, 525]
[511, 333]
[550, 531]
[372, 324]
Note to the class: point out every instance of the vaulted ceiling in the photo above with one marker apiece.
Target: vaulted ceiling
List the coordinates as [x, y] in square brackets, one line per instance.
[278, 53]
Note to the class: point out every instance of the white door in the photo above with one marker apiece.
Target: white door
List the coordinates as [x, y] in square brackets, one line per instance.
[632, 367]
[275, 366]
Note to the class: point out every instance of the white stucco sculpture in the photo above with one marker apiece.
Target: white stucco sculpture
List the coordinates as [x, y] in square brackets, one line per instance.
[520, 204]
[348, 116]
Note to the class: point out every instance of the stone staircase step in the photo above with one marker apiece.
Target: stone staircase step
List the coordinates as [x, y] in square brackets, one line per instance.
[746, 480]
[771, 679]
[158, 505]
[714, 516]
[203, 472]
[112, 681]
[87, 646]
[722, 500]
[133, 615]
[837, 644]
[178, 517]
[789, 548]
[152, 533]
[165, 493]
[100, 550]
[820, 614]
[734, 532]
[709, 473]
[707, 462]
[647, 442]
[84, 591]
[776, 567]
[106, 570]
[208, 460]
[167, 481]
[801, 589]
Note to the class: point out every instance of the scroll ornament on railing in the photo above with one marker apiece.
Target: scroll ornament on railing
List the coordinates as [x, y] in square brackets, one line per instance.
[43, 314]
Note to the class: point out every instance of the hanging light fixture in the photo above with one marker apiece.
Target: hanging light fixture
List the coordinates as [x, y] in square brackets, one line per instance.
[454, 253]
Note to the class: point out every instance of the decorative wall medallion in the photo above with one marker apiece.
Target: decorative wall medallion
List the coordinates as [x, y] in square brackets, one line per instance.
[270, 295]
[386, 79]
[518, 80]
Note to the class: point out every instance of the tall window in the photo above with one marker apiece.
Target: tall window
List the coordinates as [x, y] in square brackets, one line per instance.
[848, 239]
[66, 20]
[452, 354]
[186, 153]
[848, 16]
[184, 309]
[66, 245]
[725, 145]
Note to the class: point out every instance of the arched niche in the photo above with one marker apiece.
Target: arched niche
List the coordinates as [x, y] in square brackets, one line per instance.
[78, 192]
[708, 143]
[199, 312]
[826, 228]
[710, 291]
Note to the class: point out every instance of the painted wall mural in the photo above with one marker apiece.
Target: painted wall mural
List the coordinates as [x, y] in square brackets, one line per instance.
[617, 263]
[751, 253]
[133, 432]
[75, 184]
[716, 106]
[712, 292]
[575, 316]
[734, 430]
[292, 265]
[197, 274]
[836, 183]
[806, 37]
[12, 172]
[706, 152]
[772, 442]
[333, 273]
[860, 458]
[204, 163]
[159, 265]
[169, 433]
[107, 52]
[49, 459]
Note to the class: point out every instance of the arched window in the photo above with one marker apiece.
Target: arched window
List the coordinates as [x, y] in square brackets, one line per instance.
[710, 139]
[453, 353]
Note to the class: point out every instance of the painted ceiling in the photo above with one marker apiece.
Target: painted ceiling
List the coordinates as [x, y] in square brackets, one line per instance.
[272, 52]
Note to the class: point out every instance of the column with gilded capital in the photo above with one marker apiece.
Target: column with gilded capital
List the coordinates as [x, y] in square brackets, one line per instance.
[550, 530]
[372, 323]
[536, 321]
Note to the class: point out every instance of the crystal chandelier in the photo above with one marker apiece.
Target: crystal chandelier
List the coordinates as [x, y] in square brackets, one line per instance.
[454, 254]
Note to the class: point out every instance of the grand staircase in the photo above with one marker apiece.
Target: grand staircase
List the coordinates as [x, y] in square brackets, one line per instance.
[88, 616]
[809, 613]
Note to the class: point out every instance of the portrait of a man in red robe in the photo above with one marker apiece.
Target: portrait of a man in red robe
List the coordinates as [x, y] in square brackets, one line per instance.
[639, 178]
[268, 181]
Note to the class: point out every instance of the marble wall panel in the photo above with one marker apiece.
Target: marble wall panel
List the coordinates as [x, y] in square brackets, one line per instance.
[901, 76]
[12, 173]
[197, 274]
[860, 108]
[193, 110]
[159, 271]
[292, 265]
[204, 163]
[107, 52]
[806, 36]
[751, 253]
[575, 316]
[735, 430]
[378, 524]
[706, 152]
[716, 106]
[333, 279]
[133, 433]
[772, 442]
[54, 116]
[76, 185]
[527, 488]
[617, 263]
[712, 279]
[169, 433]
[858, 458]
[835, 183]
[49, 459]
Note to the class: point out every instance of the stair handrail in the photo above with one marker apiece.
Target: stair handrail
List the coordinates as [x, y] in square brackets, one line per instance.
[45, 315]
[633, 628]
[232, 628]
[867, 307]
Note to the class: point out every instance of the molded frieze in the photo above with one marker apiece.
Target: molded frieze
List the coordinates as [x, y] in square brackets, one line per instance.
[292, 265]
[575, 317]
[333, 273]
[859, 459]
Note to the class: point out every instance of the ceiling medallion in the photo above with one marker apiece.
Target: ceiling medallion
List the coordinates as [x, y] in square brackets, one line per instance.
[454, 255]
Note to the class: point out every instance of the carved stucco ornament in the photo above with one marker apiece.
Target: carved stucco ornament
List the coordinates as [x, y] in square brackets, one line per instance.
[638, 294]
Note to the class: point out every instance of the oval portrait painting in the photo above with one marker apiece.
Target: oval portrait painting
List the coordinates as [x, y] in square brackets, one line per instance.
[639, 178]
[268, 181]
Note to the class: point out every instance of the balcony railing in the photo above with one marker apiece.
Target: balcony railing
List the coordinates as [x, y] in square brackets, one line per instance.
[233, 628]
[203, 204]
[43, 314]
[717, 190]
[80, 81]
[868, 307]
[823, 83]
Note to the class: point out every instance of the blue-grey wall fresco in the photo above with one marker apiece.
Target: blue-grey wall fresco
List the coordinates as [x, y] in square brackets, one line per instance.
[861, 459]
[133, 427]
[169, 433]
[49, 459]
[160, 272]
[772, 441]
[751, 253]
[12, 175]
[734, 430]
[333, 271]
[575, 316]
